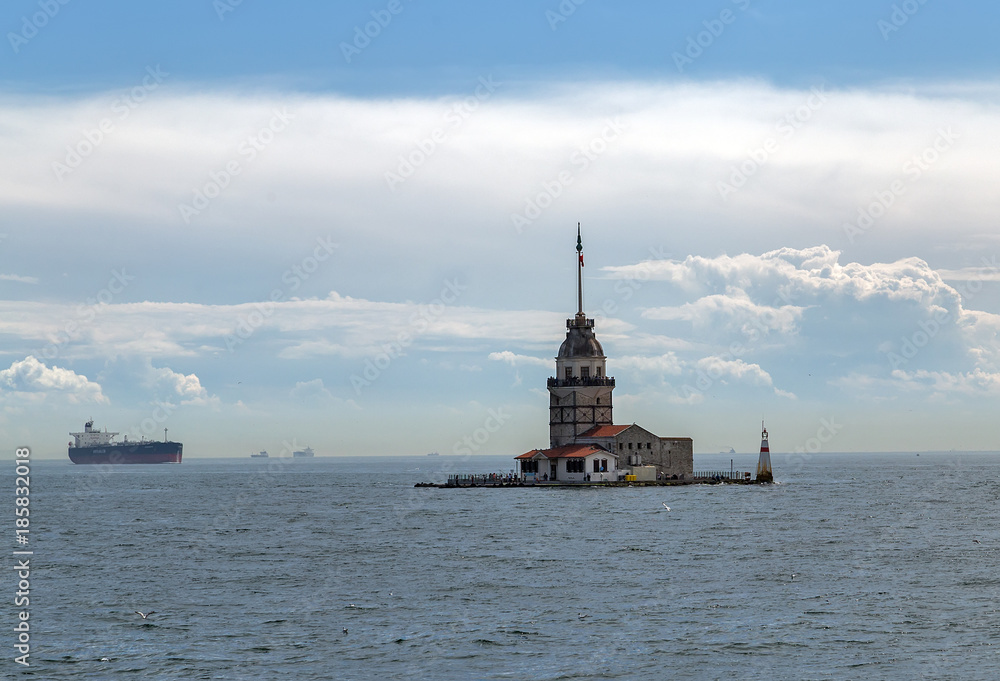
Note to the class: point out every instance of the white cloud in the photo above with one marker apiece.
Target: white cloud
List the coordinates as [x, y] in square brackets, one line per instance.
[970, 383]
[172, 384]
[822, 309]
[311, 390]
[514, 360]
[733, 310]
[666, 363]
[333, 156]
[31, 376]
[18, 278]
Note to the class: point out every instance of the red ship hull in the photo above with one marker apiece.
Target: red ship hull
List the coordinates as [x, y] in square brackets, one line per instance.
[144, 452]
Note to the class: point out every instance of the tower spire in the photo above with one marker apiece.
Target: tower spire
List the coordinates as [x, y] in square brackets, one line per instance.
[579, 272]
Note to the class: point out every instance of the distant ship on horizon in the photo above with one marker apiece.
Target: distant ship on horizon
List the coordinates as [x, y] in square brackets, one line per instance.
[262, 454]
[433, 454]
[95, 446]
[304, 453]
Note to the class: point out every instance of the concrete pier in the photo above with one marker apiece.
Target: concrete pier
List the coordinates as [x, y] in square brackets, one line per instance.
[466, 481]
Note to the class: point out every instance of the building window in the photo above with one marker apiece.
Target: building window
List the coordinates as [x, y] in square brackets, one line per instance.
[569, 373]
[576, 466]
[649, 445]
[604, 465]
[630, 445]
[598, 400]
[597, 465]
[598, 372]
[529, 466]
[584, 372]
[620, 446]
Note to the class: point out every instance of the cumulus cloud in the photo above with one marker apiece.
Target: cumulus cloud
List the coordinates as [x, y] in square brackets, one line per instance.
[733, 310]
[514, 359]
[170, 384]
[311, 390]
[31, 376]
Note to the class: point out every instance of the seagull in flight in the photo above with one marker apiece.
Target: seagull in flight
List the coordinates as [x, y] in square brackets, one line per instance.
[345, 630]
[665, 505]
[144, 616]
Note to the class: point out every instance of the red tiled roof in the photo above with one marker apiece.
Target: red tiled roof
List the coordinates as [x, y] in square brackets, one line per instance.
[564, 452]
[529, 455]
[604, 431]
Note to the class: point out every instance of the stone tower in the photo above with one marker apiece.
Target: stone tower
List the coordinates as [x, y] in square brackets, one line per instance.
[580, 392]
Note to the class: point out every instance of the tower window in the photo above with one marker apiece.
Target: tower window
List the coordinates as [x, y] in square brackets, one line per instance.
[569, 373]
[598, 400]
[598, 372]
[584, 372]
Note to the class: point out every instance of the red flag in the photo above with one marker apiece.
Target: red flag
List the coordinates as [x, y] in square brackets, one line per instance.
[581, 260]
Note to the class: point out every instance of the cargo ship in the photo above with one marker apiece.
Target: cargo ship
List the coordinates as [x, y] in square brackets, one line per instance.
[304, 453]
[94, 446]
[262, 454]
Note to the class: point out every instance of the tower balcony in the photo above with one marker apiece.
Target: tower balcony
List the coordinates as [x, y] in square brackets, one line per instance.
[606, 381]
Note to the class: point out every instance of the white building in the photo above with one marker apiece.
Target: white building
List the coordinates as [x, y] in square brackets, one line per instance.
[569, 463]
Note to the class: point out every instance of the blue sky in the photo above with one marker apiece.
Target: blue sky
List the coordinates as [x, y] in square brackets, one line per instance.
[218, 216]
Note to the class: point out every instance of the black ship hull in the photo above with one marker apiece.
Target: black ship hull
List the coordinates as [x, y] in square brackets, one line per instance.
[130, 452]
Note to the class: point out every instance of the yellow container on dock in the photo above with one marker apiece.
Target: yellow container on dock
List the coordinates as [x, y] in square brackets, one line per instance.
[629, 478]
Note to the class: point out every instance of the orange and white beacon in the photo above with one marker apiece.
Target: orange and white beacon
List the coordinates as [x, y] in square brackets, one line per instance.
[764, 462]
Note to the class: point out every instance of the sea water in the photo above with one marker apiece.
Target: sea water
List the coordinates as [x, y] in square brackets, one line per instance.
[857, 566]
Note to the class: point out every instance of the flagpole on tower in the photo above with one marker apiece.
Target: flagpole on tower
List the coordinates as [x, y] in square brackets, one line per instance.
[579, 270]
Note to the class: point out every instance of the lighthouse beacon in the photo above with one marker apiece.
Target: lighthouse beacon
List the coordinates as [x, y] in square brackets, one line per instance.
[764, 462]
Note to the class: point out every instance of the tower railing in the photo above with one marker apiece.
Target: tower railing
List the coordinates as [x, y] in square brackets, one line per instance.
[575, 382]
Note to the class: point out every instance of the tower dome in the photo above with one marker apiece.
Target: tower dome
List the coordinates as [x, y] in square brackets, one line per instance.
[580, 342]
